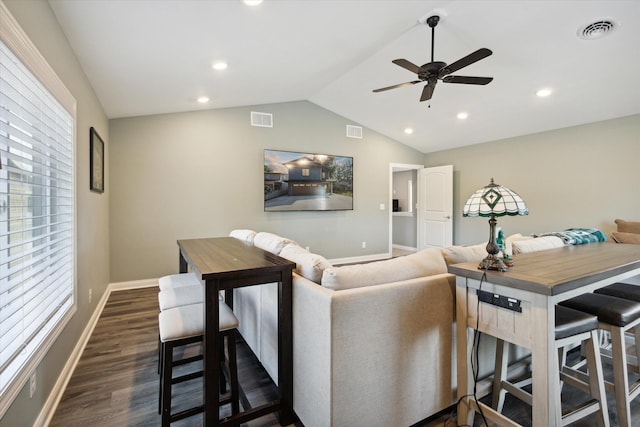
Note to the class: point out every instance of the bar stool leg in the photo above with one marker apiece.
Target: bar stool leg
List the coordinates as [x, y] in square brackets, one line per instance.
[636, 334]
[502, 360]
[620, 378]
[233, 368]
[167, 362]
[594, 366]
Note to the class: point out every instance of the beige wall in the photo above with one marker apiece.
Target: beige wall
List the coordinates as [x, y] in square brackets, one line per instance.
[38, 21]
[583, 176]
[199, 174]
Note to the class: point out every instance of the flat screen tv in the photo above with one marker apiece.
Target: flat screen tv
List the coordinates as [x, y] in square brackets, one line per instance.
[296, 181]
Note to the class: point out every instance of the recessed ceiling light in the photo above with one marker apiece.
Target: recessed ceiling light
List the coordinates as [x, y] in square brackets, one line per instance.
[220, 65]
[203, 99]
[252, 2]
[542, 93]
[598, 29]
[408, 131]
[462, 115]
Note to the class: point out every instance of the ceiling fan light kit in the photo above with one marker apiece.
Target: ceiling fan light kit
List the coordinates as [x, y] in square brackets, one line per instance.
[438, 70]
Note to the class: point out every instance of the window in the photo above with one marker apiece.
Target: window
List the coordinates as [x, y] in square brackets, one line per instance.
[305, 172]
[37, 226]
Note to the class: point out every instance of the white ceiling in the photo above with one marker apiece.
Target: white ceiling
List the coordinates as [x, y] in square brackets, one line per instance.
[154, 56]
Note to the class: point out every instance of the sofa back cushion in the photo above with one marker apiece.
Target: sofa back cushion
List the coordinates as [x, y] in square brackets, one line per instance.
[628, 226]
[458, 254]
[537, 244]
[620, 237]
[271, 242]
[308, 265]
[424, 263]
[244, 235]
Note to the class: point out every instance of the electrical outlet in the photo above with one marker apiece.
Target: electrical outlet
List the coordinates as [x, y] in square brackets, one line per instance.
[90, 295]
[381, 206]
[364, 245]
[32, 385]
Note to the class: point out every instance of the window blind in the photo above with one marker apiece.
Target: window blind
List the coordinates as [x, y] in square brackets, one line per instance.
[37, 283]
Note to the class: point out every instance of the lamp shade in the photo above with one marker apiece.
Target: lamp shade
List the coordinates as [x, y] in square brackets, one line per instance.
[494, 200]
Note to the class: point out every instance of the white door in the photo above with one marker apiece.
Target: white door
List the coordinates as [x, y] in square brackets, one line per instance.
[435, 207]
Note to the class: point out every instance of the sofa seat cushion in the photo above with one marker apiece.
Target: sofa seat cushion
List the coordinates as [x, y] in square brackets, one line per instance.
[271, 242]
[244, 235]
[308, 265]
[427, 262]
[628, 226]
[620, 237]
[537, 244]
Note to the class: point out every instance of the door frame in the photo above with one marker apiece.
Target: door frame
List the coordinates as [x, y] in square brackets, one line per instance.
[398, 167]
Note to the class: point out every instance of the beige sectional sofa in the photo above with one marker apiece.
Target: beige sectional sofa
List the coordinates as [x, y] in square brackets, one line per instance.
[372, 344]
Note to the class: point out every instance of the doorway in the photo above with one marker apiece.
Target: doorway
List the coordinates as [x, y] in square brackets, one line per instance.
[403, 200]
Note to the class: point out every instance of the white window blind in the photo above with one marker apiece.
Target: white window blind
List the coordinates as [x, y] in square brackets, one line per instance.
[37, 254]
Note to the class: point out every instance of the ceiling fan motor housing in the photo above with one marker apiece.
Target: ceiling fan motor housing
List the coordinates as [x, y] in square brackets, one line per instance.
[432, 21]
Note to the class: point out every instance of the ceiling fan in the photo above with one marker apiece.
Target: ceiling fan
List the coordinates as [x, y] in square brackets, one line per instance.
[436, 70]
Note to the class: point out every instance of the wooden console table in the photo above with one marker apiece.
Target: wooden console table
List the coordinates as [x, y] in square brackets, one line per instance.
[538, 281]
[225, 263]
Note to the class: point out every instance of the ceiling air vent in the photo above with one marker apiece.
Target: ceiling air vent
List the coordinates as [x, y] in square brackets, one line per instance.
[264, 120]
[354, 131]
[597, 29]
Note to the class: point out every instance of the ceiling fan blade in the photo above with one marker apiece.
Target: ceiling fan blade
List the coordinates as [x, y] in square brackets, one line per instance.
[407, 65]
[427, 92]
[468, 80]
[467, 60]
[398, 85]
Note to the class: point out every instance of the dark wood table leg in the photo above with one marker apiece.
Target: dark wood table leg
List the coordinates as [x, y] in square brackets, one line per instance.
[211, 354]
[182, 263]
[285, 349]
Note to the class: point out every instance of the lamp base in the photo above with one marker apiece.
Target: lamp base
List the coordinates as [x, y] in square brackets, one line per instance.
[492, 262]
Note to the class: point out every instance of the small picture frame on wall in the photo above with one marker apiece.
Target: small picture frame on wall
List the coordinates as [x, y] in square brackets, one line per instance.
[96, 162]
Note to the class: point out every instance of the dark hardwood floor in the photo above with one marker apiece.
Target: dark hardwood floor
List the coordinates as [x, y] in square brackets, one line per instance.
[116, 383]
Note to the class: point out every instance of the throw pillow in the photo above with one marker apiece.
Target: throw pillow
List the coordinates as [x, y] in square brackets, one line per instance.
[271, 242]
[308, 265]
[244, 235]
[632, 238]
[628, 226]
[424, 263]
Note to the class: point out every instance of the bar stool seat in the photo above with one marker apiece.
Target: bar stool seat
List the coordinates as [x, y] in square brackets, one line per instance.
[617, 316]
[183, 325]
[179, 280]
[621, 290]
[176, 297]
[571, 326]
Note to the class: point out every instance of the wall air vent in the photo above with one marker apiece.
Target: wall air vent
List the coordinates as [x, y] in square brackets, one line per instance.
[264, 120]
[354, 131]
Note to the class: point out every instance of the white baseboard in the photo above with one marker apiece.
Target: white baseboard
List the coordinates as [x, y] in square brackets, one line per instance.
[404, 248]
[50, 406]
[358, 259]
[134, 284]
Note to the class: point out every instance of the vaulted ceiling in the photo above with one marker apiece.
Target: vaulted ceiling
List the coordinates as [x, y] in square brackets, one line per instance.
[155, 56]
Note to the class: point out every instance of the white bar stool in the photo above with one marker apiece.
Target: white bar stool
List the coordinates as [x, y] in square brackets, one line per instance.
[572, 326]
[181, 326]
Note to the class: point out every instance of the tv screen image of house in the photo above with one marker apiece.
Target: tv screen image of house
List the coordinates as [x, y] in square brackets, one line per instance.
[307, 181]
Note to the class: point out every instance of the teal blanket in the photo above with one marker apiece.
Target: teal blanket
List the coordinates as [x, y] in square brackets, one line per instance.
[579, 236]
